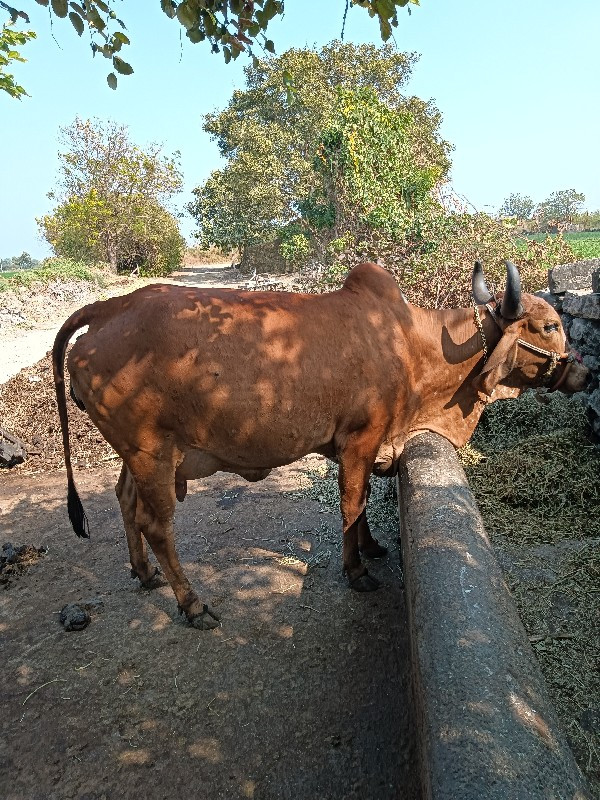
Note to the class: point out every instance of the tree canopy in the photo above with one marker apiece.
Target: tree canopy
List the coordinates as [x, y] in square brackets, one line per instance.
[560, 206]
[110, 200]
[270, 145]
[351, 170]
[229, 27]
[518, 206]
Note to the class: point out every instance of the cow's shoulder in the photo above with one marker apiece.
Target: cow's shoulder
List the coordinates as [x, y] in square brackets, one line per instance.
[371, 278]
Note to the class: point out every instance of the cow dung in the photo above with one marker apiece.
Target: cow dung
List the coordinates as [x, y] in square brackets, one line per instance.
[74, 617]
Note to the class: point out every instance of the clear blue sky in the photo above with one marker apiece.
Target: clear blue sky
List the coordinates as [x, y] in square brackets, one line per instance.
[517, 83]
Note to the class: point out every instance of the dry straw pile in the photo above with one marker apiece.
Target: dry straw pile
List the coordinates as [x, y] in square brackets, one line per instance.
[536, 475]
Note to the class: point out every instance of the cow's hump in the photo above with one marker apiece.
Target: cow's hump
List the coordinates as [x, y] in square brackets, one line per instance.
[372, 277]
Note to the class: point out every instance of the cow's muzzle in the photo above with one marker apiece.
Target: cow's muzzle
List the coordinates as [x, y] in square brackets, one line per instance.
[571, 375]
[565, 371]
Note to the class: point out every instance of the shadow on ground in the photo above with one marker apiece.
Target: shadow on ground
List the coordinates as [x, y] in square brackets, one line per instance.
[302, 693]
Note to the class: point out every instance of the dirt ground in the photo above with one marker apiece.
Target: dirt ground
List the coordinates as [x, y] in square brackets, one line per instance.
[303, 691]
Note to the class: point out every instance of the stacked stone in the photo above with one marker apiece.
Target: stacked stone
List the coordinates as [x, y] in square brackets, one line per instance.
[575, 293]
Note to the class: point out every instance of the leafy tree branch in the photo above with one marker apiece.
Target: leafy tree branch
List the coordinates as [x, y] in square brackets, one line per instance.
[229, 27]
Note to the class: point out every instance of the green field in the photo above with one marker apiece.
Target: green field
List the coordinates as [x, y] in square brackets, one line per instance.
[585, 244]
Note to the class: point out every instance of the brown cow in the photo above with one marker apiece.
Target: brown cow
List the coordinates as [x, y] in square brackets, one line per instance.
[183, 382]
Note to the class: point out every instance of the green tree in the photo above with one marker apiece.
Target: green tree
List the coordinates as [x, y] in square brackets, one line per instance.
[24, 261]
[561, 206]
[10, 40]
[270, 144]
[110, 200]
[518, 206]
[229, 27]
[375, 176]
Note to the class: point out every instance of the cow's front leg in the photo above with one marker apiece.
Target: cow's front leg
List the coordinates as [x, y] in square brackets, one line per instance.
[356, 462]
[368, 546]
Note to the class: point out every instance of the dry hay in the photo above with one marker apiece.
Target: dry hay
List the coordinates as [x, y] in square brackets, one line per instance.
[28, 410]
[532, 464]
[536, 476]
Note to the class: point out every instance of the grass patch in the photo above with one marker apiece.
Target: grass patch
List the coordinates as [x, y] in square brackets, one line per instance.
[585, 248]
[584, 244]
[53, 269]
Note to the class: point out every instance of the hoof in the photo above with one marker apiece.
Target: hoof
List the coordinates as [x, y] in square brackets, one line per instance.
[365, 583]
[153, 582]
[204, 621]
[375, 550]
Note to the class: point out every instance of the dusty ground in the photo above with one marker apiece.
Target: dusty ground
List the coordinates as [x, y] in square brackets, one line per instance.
[303, 691]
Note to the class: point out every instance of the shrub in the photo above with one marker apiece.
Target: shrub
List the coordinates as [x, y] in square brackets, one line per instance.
[433, 265]
[52, 269]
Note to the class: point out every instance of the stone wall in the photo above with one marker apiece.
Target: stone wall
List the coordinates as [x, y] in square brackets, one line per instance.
[574, 292]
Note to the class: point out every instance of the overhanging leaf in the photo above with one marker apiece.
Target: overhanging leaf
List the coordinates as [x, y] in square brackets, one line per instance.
[168, 7]
[186, 15]
[60, 7]
[195, 35]
[95, 19]
[122, 66]
[77, 22]
[111, 79]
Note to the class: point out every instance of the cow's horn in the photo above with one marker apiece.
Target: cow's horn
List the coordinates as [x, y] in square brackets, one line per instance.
[511, 307]
[481, 293]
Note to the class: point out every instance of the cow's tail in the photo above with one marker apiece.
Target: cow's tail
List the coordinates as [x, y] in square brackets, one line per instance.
[77, 320]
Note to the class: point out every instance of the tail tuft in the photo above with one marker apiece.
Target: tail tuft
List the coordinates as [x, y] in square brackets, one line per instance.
[79, 521]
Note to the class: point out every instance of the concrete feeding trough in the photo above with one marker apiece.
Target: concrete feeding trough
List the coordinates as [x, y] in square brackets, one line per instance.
[486, 726]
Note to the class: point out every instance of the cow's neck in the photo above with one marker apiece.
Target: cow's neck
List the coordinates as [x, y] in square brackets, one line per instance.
[449, 357]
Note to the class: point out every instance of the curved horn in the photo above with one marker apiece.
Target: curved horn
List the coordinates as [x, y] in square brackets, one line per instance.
[511, 307]
[481, 293]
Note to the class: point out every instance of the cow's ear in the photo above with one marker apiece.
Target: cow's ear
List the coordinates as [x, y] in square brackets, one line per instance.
[499, 364]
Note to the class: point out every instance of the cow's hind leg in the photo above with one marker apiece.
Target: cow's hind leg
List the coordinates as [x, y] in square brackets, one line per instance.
[140, 566]
[155, 508]
[356, 462]
[367, 544]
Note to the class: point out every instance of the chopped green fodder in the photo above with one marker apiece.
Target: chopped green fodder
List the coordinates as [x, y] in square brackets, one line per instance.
[536, 476]
[532, 466]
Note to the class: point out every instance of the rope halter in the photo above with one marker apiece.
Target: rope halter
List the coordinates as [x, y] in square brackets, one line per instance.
[554, 357]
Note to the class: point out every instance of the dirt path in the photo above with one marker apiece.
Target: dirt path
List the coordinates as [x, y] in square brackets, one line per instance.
[302, 693]
[29, 332]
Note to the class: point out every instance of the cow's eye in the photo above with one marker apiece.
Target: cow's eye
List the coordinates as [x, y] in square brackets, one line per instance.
[551, 327]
